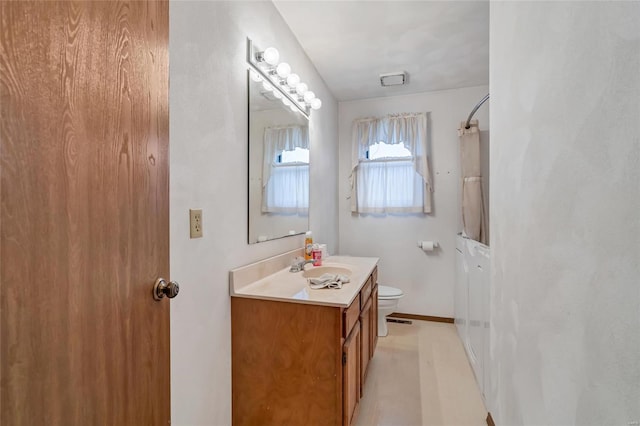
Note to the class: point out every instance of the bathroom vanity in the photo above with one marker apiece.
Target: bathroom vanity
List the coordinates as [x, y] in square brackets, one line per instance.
[300, 356]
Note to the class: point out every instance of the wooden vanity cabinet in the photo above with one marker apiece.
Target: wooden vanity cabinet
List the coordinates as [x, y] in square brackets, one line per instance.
[351, 376]
[374, 318]
[365, 342]
[300, 364]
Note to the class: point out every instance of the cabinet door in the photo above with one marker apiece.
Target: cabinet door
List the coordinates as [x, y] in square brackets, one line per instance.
[351, 376]
[461, 310]
[374, 320]
[365, 342]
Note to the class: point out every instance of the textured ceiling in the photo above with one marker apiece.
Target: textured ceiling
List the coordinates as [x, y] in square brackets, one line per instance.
[441, 44]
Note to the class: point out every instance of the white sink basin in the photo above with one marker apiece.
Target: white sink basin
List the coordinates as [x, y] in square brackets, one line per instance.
[317, 271]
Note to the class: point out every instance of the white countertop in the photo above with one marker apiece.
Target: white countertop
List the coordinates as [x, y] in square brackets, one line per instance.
[288, 286]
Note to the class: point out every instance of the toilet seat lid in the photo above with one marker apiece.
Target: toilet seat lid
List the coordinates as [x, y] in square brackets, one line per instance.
[386, 291]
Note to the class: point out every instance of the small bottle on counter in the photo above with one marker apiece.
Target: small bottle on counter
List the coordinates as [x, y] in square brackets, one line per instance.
[317, 255]
[308, 246]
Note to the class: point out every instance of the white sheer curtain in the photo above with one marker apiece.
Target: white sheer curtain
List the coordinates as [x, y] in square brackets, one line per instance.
[384, 186]
[285, 188]
[288, 189]
[391, 186]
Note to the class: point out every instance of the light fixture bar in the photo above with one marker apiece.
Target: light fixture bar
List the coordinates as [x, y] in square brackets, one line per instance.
[291, 92]
[266, 78]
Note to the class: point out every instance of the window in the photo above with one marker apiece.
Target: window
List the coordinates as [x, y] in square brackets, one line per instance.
[298, 155]
[382, 150]
[389, 165]
[286, 170]
[388, 182]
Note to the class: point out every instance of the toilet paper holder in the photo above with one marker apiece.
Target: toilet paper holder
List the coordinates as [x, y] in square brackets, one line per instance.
[428, 245]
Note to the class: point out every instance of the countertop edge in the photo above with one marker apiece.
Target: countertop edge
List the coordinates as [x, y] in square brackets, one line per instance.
[338, 258]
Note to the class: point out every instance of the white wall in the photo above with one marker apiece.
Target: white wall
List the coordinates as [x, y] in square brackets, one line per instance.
[208, 118]
[565, 213]
[426, 280]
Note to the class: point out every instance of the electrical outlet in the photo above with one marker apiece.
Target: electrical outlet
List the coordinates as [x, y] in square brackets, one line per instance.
[195, 223]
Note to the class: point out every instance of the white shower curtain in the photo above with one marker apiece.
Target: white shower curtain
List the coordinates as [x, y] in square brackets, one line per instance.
[473, 214]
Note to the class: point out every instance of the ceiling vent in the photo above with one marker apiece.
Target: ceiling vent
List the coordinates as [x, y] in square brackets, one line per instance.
[393, 79]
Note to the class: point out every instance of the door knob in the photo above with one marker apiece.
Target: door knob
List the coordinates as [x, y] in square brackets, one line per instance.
[163, 288]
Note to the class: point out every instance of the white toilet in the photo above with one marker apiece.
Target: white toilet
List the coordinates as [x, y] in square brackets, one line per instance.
[388, 298]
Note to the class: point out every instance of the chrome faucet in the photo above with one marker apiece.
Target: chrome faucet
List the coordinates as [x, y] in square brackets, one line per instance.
[299, 263]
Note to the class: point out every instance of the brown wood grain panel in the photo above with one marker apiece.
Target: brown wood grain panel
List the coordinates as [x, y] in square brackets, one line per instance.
[351, 315]
[422, 317]
[375, 276]
[365, 292]
[374, 320]
[84, 213]
[286, 363]
[365, 342]
[351, 373]
[490, 421]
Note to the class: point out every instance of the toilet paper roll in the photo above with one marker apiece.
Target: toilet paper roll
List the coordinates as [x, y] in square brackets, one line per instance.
[427, 245]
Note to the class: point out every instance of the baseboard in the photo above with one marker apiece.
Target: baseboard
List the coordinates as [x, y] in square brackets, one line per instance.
[490, 420]
[422, 317]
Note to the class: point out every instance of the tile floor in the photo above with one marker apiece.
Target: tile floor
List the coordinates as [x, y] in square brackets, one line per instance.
[420, 376]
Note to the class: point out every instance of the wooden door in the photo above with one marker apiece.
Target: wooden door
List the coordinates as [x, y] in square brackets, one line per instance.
[351, 376]
[365, 342]
[84, 213]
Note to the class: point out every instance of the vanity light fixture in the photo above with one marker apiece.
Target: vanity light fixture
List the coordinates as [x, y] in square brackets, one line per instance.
[279, 78]
[309, 96]
[270, 56]
[283, 69]
[316, 103]
[301, 89]
[293, 80]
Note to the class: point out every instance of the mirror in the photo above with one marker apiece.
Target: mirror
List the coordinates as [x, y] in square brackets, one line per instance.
[278, 165]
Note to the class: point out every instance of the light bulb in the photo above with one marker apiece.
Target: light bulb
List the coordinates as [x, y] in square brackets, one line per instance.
[255, 76]
[309, 96]
[316, 103]
[277, 94]
[271, 55]
[286, 101]
[293, 108]
[293, 80]
[283, 69]
[301, 88]
[267, 86]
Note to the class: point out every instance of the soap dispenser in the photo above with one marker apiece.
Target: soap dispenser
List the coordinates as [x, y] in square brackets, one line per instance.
[308, 246]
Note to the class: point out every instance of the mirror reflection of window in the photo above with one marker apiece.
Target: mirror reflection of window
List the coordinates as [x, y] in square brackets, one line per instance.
[286, 178]
[298, 155]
